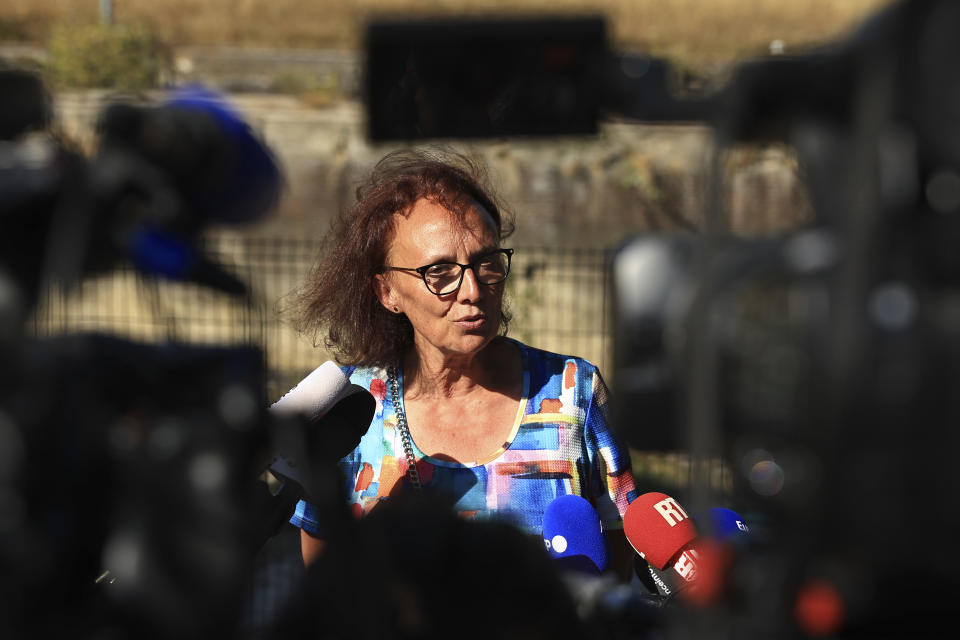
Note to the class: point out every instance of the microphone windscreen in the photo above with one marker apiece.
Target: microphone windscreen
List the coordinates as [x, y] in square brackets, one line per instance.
[249, 185]
[316, 394]
[722, 524]
[573, 534]
[339, 413]
[657, 528]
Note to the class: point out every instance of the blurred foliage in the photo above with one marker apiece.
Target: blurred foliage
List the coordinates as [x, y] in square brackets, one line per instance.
[112, 57]
[315, 89]
[673, 472]
[12, 29]
[698, 36]
[636, 171]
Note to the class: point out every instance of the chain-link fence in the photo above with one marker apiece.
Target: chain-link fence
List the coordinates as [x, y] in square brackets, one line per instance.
[559, 299]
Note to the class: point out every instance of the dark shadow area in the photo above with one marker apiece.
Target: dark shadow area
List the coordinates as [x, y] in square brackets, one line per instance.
[414, 569]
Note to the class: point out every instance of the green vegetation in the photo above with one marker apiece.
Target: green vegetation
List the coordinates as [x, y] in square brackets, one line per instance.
[313, 89]
[697, 35]
[12, 29]
[119, 57]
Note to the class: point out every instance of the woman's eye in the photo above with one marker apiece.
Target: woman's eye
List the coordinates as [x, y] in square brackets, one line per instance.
[442, 271]
[492, 265]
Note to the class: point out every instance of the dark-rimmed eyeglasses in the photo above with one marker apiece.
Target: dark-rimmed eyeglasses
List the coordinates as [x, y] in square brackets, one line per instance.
[443, 278]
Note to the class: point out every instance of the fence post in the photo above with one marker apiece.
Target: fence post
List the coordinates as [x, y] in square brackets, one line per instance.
[106, 12]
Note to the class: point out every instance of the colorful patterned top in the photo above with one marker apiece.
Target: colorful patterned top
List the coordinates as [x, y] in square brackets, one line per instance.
[561, 443]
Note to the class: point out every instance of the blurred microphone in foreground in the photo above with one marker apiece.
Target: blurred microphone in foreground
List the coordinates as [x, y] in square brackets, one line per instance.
[314, 424]
[722, 524]
[336, 412]
[678, 558]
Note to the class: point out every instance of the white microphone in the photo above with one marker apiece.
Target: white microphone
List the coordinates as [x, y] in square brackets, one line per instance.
[318, 421]
[316, 394]
[341, 411]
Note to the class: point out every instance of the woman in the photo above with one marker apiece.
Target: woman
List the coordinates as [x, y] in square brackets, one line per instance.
[410, 294]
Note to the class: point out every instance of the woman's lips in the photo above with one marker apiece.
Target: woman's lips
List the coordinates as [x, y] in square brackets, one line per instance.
[471, 323]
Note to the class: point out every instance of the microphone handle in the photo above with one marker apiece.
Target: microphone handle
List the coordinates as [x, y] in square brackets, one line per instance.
[641, 571]
[666, 581]
[677, 576]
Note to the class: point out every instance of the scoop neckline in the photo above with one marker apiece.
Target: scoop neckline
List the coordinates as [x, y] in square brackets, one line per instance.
[517, 420]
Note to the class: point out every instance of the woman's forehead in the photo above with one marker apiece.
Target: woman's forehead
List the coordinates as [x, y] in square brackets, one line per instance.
[429, 224]
[459, 208]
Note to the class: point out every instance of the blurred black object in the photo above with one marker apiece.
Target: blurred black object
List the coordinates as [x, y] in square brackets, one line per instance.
[822, 364]
[462, 78]
[161, 174]
[130, 504]
[137, 460]
[414, 569]
[25, 106]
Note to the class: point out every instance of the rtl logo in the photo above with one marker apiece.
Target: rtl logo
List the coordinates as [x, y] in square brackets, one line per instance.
[686, 565]
[672, 512]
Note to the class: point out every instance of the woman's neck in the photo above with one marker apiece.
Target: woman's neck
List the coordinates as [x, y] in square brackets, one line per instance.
[444, 376]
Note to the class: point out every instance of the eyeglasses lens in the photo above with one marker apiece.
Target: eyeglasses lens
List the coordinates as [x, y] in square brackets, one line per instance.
[446, 277]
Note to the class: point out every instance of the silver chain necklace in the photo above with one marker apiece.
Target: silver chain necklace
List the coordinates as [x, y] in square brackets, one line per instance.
[412, 472]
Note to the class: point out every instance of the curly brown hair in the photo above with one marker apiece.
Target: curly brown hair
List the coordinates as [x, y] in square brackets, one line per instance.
[339, 296]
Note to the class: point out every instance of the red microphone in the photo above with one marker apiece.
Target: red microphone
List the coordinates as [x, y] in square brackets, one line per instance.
[658, 528]
[664, 535]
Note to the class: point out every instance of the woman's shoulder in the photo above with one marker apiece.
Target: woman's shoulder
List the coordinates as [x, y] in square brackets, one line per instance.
[357, 374]
[371, 378]
[545, 362]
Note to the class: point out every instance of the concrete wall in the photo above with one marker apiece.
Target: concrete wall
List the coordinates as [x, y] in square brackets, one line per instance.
[563, 191]
[567, 193]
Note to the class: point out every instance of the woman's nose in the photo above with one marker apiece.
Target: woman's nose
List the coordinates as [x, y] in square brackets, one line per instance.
[469, 288]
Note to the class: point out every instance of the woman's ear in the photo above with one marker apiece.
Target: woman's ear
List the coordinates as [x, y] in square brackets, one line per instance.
[385, 292]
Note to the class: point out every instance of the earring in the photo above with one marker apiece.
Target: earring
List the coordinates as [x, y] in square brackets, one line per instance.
[396, 309]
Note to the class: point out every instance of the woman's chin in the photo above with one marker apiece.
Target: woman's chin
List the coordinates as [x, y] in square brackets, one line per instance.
[472, 342]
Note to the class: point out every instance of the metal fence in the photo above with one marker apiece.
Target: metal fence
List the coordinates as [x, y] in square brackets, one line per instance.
[559, 299]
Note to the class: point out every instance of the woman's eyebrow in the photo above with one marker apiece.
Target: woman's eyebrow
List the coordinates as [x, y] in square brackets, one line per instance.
[473, 256]
[482, 252]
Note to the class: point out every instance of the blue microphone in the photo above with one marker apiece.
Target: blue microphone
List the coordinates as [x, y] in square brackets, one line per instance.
[190, 162]
[247, 183]
[574, 536]
[722, 524]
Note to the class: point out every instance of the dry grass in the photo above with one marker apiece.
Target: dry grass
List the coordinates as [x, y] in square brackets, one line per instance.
[692, 32]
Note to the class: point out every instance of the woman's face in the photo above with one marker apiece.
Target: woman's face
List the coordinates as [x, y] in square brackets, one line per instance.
[460, 323]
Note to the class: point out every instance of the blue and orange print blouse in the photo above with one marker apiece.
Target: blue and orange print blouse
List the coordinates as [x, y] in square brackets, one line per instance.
[561, 443]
